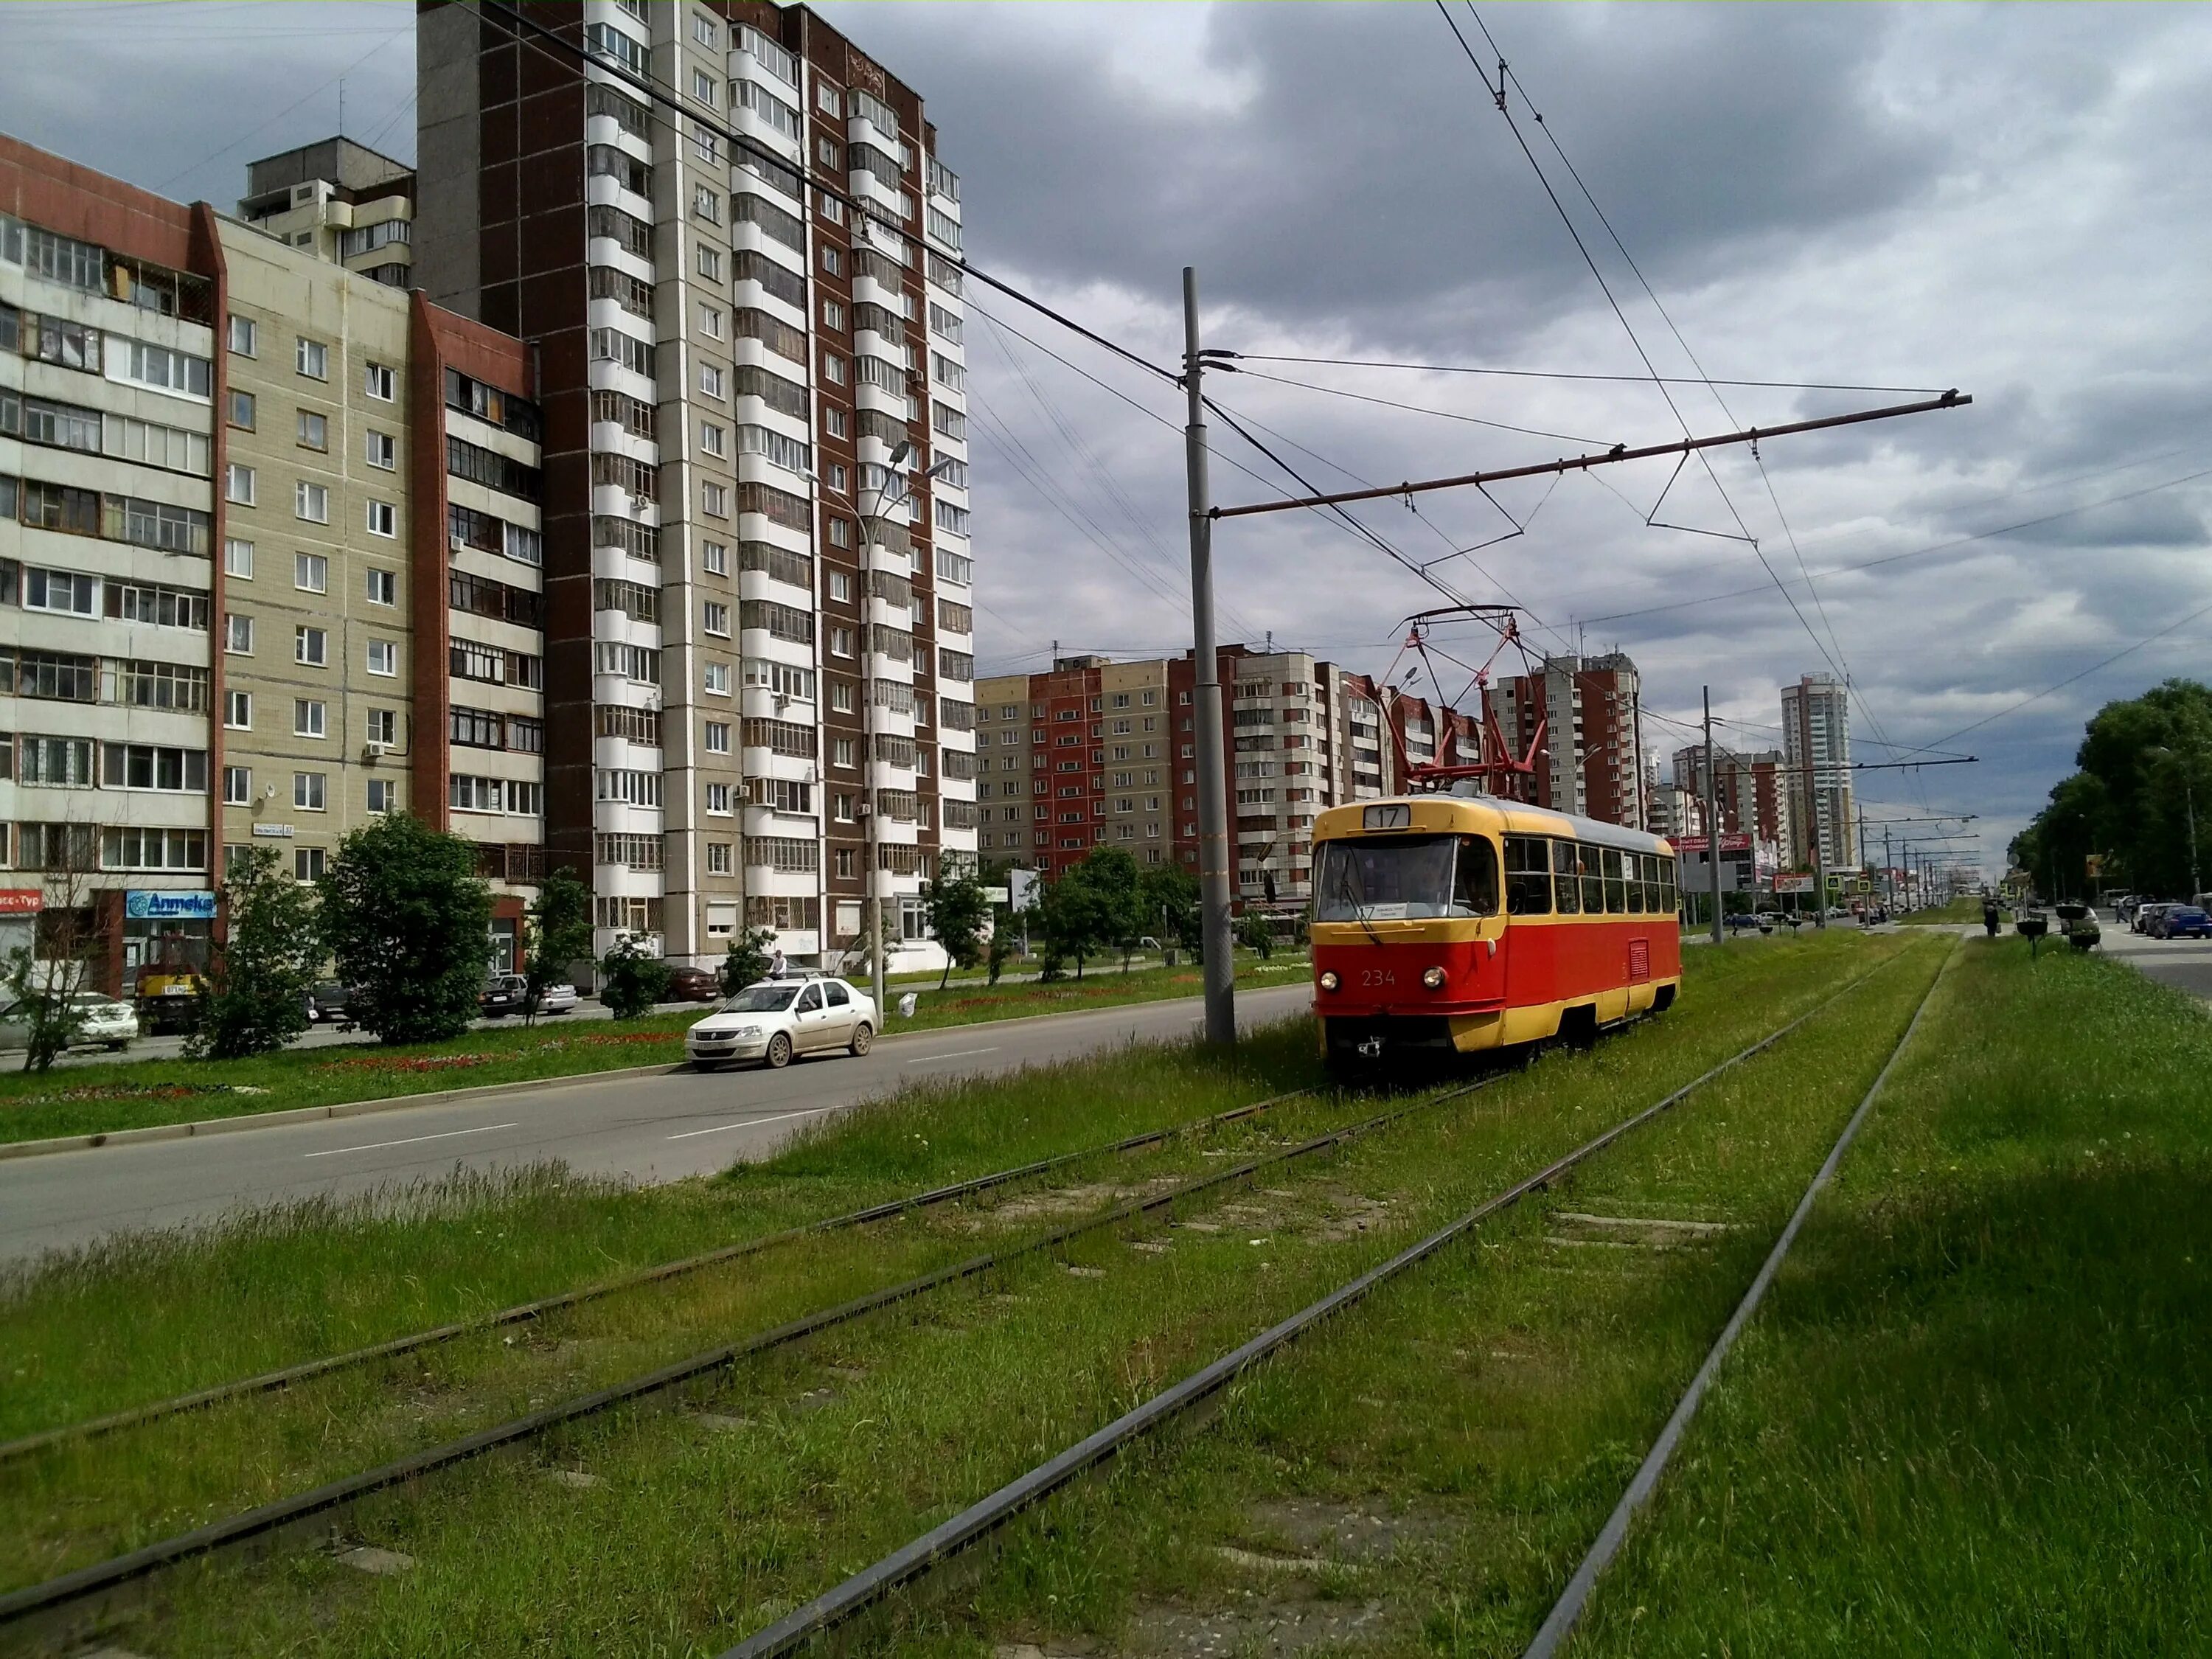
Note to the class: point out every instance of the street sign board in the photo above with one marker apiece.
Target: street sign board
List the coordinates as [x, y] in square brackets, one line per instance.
[1793, 884]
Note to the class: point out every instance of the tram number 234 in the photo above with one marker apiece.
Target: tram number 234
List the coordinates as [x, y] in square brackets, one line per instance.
[1374, 977]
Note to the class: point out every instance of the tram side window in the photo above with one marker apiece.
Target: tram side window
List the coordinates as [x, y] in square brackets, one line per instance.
[1474, 880]
[1643, 890]
[1667, 880]
[1616, 890]
[1527, 876]
[1593, 880]
[1566, 862]
[1632, 872]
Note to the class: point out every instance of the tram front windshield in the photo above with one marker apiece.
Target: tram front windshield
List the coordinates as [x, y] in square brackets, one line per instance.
[1405, 879]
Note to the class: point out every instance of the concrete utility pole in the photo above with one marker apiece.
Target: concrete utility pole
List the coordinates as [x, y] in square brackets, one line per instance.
[1713, 815]
[1220, 967]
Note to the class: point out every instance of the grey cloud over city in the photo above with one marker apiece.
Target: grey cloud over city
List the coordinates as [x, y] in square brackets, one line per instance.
[2007, 201]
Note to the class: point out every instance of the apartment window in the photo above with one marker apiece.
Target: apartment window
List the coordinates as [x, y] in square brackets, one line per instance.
[241, 409]
[706, 205]
[712, 379]
[244, 337]
[308, 863]
[383, 658]
[311, 572]
[238, 559]
[714, 438]
[714, 558]
[384, 726]
[714, 617]
[841, 641]
[383, 795]
[714, 501]
[313, 431]
[238, 710]
[151, 766]
[383, 451]
[383, 588]
[238, 635]
[710, 263]
[237, 781]
[313, 359]
[714, 323]
[309, 717]
[380, 382]
[383, 519]
[841, 532]
[718, 799]
[237, 485]
[310, 503]
[718, 737]
[311, 646]
[716, 679]
[832, 260]
[161, 368]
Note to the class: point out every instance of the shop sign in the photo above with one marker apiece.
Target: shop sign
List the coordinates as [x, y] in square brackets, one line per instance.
[144, 904]
[22, 901]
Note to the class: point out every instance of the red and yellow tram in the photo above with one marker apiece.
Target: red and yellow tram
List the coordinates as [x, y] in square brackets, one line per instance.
[1478, 923]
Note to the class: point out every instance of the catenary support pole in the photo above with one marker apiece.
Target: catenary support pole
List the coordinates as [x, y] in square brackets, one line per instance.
[1220, 967]
[1713, 815]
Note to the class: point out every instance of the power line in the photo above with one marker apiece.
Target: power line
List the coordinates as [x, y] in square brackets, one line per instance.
[1416, 409]
[1565, 374]
[263, 127]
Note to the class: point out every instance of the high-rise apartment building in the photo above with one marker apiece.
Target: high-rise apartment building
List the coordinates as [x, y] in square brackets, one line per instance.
[1816, 739]
[726, 234]
[1755, 792]
[1591, 761]
[268, 556]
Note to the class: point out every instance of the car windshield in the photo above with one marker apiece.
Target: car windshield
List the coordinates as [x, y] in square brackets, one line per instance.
[1405, 879]
[763, 998]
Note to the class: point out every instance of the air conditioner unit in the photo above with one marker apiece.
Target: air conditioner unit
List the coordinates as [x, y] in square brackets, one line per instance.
[372, 752]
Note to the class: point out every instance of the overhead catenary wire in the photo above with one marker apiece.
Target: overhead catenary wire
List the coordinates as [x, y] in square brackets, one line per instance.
[1416, 408]
[1570, 374]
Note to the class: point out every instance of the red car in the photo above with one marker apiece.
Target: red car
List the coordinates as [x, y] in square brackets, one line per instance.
[694, 985]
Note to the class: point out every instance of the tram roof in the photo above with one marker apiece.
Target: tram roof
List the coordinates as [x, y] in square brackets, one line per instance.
[1510, 816]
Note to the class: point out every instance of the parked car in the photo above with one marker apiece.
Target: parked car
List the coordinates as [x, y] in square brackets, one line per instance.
[778, 1020]
[103, 1023]
[1743, 921]
[688, 984]
[2182, 921]
[502, 994]
[2146, 917]
[560, 997]
[331, 1004]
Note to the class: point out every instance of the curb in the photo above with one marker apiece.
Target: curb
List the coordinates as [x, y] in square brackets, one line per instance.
[217, 1126]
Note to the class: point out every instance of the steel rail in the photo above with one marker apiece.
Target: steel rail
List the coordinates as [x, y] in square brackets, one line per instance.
[109, 1575]
[915, 1559]
[1551, 1636]
[306, 1371]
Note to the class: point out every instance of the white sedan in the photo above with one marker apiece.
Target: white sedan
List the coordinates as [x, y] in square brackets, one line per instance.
[102, 1023]
[778, 1018]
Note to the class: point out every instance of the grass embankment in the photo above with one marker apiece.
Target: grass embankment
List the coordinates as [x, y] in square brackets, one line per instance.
[100, 1099]
[695, 1529]
[1952, 915]
[1972, 1417]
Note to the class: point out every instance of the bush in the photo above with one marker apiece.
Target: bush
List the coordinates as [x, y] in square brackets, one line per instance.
[408, 923]
[747, 963]
[256, 999]
[630, 982]
[1256, 932]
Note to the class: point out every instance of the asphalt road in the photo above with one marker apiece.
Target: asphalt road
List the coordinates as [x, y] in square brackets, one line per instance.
[646, 1128]
[2184, 963]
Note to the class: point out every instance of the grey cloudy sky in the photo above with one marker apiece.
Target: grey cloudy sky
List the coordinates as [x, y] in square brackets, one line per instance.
[2011, 201]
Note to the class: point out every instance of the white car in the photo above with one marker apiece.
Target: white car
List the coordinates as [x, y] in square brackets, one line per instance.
[779, 1018]
[103, 1022]
[559, 999]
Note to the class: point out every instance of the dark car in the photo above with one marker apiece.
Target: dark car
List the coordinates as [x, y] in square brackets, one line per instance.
[502, 994]
[2182, 921]
[1741, 921]
[331, 1004]
[694, 985]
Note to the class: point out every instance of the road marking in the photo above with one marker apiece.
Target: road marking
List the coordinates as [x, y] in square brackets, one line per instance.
[750, 1123]
[377, 1146]
[957, 1054]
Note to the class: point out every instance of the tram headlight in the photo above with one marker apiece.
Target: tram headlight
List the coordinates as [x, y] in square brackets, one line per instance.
[1434, 979]
[1329, 981]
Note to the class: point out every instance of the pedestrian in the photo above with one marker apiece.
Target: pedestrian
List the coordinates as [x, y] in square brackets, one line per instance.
[775, 963]
[1990, 916]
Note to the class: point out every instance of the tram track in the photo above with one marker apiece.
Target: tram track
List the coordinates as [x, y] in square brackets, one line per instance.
[396, 1347]
[86, 1584]
[77, 1593]
[922, 1555]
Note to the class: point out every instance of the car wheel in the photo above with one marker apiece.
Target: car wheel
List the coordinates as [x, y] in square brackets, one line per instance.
[864, 1038]
[117, 1047]
[779, 1051]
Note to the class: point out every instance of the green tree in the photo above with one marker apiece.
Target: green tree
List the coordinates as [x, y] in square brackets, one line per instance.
[408, 923]
[557, 932]
[1002, 944]
[953, 905]
[1169, 895]
[631, 980]
[2144, 761]
[1255, 932]
[747, 960]
[256, 999]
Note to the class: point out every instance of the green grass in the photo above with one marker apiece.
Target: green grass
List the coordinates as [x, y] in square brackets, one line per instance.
[1971, 1420]
[100, 1099]
[1952, 914]
[697, 1532]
